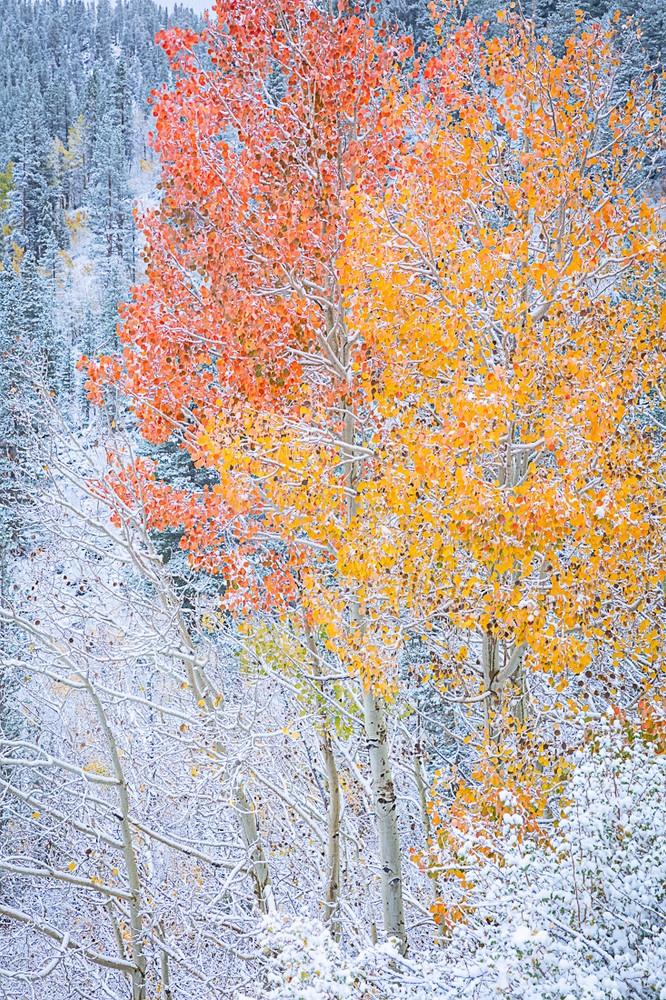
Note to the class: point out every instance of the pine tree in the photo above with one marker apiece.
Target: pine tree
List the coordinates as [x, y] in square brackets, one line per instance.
[35, 194]
[122, 106]
[108, 195]
[651, 18]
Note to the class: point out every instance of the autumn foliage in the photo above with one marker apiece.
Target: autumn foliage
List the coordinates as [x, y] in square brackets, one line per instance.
[509, 285]
[411, 315]
[236, 340]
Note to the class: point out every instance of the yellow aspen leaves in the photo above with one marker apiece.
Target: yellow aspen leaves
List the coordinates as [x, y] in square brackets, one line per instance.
[511, 290]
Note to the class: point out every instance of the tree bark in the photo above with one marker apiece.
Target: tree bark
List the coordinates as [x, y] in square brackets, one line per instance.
[333, 847]
[167, 993]
[260, 873]
[387, 820]
[333, 805]
[383, 791]
[491, 687]
[137, 936]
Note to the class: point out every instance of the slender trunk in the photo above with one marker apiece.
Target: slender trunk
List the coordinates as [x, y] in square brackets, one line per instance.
[366, 891]
[164, 971]
[496, 675]
[383, 791]
[166, 993]
[133, 878]
[260, 871]
[423, 801]
[333, 847]
[423, 798]
[387, 821]
[333, 805]
[427, 825]
[521, 702]
[117, 933]
[260, 874]
[491, 687]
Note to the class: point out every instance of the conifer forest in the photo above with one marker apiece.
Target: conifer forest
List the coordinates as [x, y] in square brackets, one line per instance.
[333, 500]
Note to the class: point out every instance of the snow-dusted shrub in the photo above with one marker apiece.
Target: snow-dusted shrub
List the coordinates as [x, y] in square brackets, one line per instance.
[305, 963]
[308, 963]
[585, 916]
[580, 918]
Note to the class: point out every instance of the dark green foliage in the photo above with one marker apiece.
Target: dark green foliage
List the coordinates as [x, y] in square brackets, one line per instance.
[51, 46]
[66, 58]
[412, 18]
[176, 467]
[651, 15]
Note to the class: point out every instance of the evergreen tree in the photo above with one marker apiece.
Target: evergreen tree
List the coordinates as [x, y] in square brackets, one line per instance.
[558, 18]
[122, 106]
[651, 18]
[36, 196]
[109, 197]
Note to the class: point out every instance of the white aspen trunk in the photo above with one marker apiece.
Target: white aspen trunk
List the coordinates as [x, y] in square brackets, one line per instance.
[260, 871]
[491, 687]
[366, 889]
[333, 845]
[387, 821]
[164, 971]
[261, 875]
[495, 676]
[521, 702]
[383, 790]
[427, 827]
[120, 944]
[133, 878]
[333, 806]
[167, 993]
[423, 798]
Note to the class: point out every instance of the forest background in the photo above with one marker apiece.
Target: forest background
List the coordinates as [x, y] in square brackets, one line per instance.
[332, 570]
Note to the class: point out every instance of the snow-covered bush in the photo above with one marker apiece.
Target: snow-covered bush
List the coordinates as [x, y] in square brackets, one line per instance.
[308, 962]
[582, 917]
[305, 963]
[585, 916]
